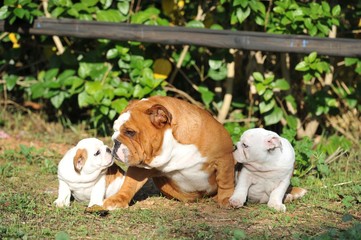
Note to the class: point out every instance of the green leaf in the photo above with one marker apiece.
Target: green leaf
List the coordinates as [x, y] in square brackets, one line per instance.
[85, 100]
[10, 2]
[37, 90]
[350, 61]
[274, 117]
[260, 88]
[58, 99]
[110, 15]
[265, 107]
[218, 75]
[268, 94]
[19, 12]
[119, 104]
[206, 94]
[291, 121]
[281, 84]
[73, 12]
[51, 74]
[195, 24]
[242, 15]
[63, 3]
[336, 10]
[312, 57]
[302, 66]
[323, 28]
[123, 7]
[57, 12]
[258, 76]
[90, 3]
[104, 110]
[10, 81]
[4, 13]
[112, 53]
[93, 87]
[65, 74]
[138, 91]
[106, 3]
[215, 64]
[325, 7]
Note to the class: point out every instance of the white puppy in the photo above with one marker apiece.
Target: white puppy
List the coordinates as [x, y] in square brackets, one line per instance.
[268, 163]
[88, 172]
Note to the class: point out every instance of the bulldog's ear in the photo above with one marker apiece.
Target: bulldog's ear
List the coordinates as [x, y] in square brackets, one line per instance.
[159, 115]
[79, 159]
[273, 142]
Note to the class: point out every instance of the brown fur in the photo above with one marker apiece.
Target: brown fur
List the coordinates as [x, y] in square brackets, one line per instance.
[79, 159]
[112, 173]
[190, 125]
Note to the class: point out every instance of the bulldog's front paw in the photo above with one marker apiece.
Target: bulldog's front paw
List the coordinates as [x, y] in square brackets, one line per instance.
[236, 202]
[277, 206]
[115, 202]
[224, 203]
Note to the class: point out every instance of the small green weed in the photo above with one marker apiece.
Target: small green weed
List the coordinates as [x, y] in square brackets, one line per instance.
[7, 170]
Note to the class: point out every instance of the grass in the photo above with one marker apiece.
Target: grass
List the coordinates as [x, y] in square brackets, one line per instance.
[28, 160]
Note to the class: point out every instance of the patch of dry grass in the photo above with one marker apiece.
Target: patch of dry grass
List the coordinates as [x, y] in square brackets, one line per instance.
[28, 189]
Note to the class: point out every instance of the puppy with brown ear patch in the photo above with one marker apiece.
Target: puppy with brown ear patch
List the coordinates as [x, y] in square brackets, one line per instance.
[268, 162]
[88, 172]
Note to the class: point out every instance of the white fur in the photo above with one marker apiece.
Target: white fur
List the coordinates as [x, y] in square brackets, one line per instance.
[183, 163]
[267, 168]
[119, 122]
[89, 184]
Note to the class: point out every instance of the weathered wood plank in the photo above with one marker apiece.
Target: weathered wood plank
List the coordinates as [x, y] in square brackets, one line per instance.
[190, 36]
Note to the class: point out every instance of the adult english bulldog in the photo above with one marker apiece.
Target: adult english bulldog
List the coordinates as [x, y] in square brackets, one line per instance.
[88, 173]
[181, 146]
[268, 162]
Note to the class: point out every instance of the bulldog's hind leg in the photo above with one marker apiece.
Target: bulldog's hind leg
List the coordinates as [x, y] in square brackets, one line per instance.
[225, 180]
[171, 191]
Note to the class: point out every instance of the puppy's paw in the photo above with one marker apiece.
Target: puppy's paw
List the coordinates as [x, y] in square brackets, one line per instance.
[236, 202]
[59, 203]
[115, 202]
[277, 206]
[295, 193]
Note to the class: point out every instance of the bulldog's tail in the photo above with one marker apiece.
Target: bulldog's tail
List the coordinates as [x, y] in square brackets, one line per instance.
[294, 193]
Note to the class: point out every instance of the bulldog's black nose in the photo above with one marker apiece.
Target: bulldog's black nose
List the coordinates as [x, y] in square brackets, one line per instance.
[116, 145]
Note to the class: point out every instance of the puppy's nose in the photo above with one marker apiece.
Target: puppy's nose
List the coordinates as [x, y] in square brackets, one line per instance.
[116, 144]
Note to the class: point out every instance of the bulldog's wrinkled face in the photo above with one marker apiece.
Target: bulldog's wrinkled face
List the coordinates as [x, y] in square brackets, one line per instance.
[91, 155]
[138, 133]
[256, 145]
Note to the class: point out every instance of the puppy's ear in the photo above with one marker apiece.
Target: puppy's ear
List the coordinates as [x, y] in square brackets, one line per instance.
[79, 159]
[273, 142]
[159, 115]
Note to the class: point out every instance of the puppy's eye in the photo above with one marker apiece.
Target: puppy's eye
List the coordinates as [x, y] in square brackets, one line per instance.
[129, 133]
[244, 145]
[97, 153]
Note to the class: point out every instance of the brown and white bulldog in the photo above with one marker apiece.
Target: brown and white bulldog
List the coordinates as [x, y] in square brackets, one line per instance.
[181, 146]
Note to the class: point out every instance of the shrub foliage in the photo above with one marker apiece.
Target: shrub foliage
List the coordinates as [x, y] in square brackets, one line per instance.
[93, 80]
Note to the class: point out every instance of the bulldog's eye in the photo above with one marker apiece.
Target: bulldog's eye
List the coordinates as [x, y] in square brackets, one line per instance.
[244, 145]
[129, 133]
[97, 153]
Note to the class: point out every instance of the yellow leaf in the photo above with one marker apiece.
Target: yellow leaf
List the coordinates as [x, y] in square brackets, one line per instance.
[161, 68]
[14, 40]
